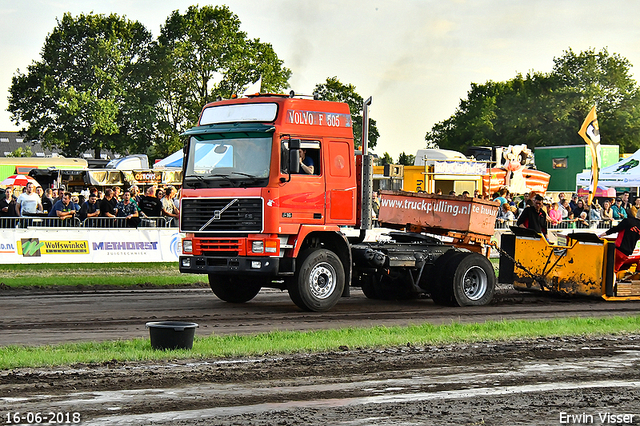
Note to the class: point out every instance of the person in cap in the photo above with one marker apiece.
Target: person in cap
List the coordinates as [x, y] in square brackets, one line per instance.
[534, 217]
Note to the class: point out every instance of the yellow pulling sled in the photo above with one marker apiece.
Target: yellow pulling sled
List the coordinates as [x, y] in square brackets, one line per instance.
[582, 265]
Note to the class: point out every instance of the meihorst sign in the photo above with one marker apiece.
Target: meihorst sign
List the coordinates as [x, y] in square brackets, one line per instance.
[56, 245]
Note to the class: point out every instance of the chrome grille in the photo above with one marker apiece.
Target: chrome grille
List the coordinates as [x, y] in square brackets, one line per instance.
[243, 215]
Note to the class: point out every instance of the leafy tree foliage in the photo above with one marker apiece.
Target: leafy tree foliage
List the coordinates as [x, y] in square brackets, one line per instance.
[21, 152]
[385, 159]
[334, 90]
[406, 159]
[203, 55]
[89, 90]
[548, 109]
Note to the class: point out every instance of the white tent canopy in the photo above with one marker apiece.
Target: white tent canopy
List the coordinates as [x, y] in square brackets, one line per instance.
[174, 160]
[623, 174]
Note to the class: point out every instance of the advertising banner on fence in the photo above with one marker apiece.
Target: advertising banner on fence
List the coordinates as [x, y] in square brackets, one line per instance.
[41, 245]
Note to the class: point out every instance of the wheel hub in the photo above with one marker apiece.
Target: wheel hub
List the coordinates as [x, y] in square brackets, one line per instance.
[475, 283]
[323, 281]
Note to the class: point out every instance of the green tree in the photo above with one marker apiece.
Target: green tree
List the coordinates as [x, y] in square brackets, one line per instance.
[385, 159]
[21, 152]
[334, 90]
[203, 55]
[406, 159]
[547, 109]
[90, 88]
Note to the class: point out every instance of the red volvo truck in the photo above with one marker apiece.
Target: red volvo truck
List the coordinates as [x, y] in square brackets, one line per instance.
[254, 218]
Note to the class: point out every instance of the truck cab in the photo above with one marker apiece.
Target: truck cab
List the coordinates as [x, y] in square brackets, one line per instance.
[251, 215]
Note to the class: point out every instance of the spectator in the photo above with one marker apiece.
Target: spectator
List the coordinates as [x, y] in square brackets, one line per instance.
[8, 204]
[626, 204]
[577, 211]
[168, 208]
[65, 208]
[149, 205]
[105, 206]
[60, 194]
[505, 215]
[477, 193]
[555, 215]
[561, 198]
[582, 221]
[117, 193]
[574, 202]
[635, 208]
[502, 195]
[618, 212]
[533, 217]
[563, 206]
[135, 194]
[375, 204]
[607, 213]
[160, 193]
[595, 212]
[28, 203]
[90, 208]
[47, 200]
[127, 209]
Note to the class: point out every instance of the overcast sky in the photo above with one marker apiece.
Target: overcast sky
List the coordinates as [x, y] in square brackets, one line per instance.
[417, 58]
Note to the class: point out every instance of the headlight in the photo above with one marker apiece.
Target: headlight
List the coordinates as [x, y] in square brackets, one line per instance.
[257, 247]
[187, 246]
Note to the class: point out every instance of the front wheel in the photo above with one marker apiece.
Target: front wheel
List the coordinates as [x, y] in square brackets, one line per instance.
[471, 279]
[318, 282]
[232, 288]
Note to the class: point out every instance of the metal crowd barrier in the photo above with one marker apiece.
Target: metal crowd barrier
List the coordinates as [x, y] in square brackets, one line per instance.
[565, 224]
[90, 222]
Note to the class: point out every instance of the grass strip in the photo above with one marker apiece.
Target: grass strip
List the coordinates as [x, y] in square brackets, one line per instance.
[283, 342]
[117, 274]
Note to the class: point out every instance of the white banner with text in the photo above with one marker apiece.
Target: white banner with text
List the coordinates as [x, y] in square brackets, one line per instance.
[67, 245]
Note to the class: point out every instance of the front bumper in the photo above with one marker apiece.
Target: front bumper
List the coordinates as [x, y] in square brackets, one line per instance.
[229, 265]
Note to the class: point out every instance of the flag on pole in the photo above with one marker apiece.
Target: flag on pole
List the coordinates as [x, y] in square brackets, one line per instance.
[590, 132]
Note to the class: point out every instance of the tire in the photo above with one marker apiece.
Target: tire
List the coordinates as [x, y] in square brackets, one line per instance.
[318, 282]
[233, 289]
[440, 289]
[471, 279]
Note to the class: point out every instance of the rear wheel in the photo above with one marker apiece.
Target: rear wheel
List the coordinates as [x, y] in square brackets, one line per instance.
[438, 285]
[471, 279]
[233, 288]
[318, 282]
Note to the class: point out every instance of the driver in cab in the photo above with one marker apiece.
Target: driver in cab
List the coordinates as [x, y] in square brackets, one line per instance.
[306, 163]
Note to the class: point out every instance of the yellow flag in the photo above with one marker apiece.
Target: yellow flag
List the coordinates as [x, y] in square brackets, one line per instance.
[590, 132]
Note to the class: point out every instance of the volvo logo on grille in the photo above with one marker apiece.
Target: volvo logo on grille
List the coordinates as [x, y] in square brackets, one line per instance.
[218, 213]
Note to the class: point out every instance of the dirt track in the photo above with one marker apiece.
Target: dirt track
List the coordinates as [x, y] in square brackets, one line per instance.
[528, 382]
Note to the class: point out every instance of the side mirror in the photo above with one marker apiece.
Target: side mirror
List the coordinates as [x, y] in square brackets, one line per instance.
[294, 160]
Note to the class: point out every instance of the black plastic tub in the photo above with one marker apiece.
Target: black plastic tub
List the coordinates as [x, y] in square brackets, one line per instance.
[171, 334]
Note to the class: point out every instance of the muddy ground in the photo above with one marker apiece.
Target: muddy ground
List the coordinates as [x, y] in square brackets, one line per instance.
[535, 382]
[528, 382]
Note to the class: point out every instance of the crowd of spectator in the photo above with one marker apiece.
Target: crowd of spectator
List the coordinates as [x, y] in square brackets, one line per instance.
[567, 211]
[129, 205]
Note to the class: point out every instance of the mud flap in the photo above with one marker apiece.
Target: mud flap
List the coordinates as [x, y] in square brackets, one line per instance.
[505, 272]
[608, 275]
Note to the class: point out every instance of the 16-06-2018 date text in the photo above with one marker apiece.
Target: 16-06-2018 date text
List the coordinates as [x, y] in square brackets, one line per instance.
[38, 418]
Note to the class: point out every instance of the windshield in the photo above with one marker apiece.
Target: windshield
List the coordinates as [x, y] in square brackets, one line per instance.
[234, 158]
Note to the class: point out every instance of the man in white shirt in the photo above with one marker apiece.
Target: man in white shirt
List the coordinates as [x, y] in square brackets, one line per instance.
[28, 202]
